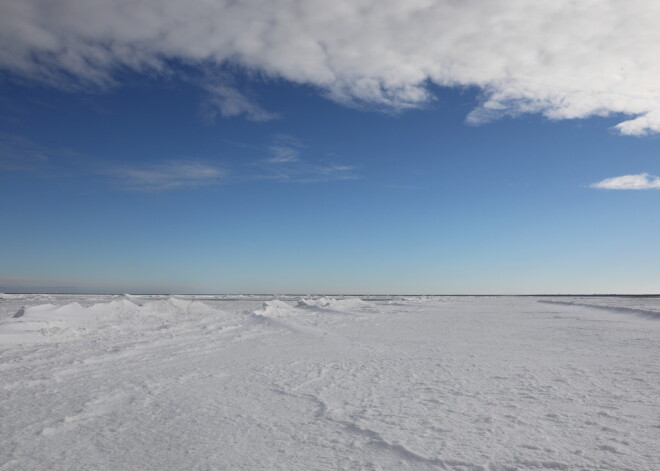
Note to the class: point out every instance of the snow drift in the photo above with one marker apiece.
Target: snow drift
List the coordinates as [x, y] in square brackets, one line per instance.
[46, 322]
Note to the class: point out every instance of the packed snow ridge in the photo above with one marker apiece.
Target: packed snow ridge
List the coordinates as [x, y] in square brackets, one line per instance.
[326, 383]
[643, 306]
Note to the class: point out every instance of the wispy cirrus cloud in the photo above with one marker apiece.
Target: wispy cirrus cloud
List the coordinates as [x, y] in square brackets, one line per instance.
[310, 172]
[225, 99]
[564, 59]
[164, 176]
[19, 153]
[640, 181]
[283, 154]
[284, 162]
[287, 164]
[285, 149]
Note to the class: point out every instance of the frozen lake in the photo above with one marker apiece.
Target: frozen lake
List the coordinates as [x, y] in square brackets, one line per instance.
[250, 383]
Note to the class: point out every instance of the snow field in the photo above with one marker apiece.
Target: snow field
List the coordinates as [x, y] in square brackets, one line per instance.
[487, 384]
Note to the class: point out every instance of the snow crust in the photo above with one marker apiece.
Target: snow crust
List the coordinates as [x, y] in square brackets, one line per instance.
[387, 383]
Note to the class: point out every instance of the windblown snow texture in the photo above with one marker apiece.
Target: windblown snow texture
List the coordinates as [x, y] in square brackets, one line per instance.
[218, 382]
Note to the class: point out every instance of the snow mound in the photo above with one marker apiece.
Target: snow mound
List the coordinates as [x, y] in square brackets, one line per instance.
[49, 321]
[345, 304]
[275, 308]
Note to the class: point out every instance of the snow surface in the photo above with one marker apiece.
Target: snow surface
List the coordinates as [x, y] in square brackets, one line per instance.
[391, 383]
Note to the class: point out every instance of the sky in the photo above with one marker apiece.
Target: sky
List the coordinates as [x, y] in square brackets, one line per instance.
[353, 147]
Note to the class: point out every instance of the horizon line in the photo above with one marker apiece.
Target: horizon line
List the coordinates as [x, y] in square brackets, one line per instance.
[645, 295]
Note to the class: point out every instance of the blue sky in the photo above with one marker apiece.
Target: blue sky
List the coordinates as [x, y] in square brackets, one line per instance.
[259, 174]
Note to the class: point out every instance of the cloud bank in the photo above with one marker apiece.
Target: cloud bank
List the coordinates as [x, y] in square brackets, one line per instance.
[641, 181]
[563, 59]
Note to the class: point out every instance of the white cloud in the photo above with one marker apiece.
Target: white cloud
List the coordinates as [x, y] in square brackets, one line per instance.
[562, 58]
[641, 181]
[168, 176]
